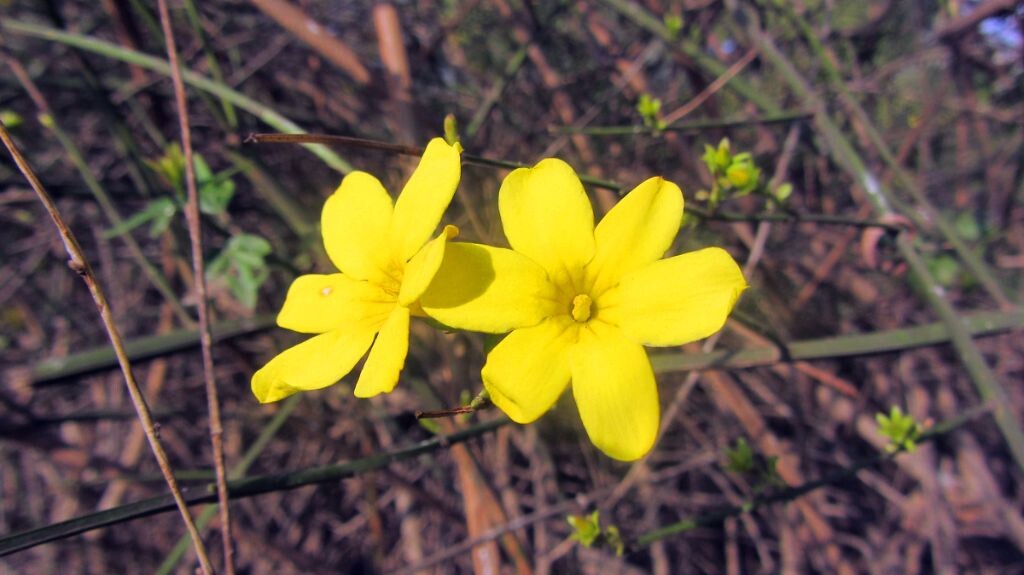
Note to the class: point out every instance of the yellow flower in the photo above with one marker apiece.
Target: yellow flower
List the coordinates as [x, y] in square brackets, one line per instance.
[387, 260]
[583, 301]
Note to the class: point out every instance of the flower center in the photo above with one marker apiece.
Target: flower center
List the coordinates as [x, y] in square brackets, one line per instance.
[581, 307]
[392, 282]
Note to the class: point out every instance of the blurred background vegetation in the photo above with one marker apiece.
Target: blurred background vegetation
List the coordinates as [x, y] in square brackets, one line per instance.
[864, 160]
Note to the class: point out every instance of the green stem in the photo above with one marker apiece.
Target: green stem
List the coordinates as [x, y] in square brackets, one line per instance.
[35, 423]
[791, 217]
[976, 324]
[264, 113]
[53, 370]
[238, 488]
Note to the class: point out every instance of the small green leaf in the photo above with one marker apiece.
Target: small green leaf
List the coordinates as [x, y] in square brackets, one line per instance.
[614, 540]
[241, 266]
[967, 227]
[710, 158]
[586, 530]
[649, 109]
[163, 219]
[215, 191]
[202, 169]
[723, 156]
[740, 459]
[451, 130]
[159, 212]
[770, 476]
[11, 119]
[214, 198]
[170, 167]
[783, 192]
[740, 176]
[945, 268]
[674, 24]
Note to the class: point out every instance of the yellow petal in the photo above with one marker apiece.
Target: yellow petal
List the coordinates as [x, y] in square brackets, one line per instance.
[387, 356]
[675, 300]
[493, 290]
[319, 303]
[355, 222]
[636, 232]
[614, 389]
[527, 371]
[547, 217]
[313, 364]
[424, 199]
[423, 266]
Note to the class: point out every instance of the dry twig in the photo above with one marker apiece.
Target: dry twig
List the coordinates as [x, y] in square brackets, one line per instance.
[199, 279]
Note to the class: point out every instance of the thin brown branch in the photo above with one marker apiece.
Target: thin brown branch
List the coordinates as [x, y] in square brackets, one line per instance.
[199, 280]
[713, 87]
[335, 140]
[450, 412]
[81, 266]
[481, 401]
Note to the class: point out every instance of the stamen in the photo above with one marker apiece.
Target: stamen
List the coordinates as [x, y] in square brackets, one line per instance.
[581, 307]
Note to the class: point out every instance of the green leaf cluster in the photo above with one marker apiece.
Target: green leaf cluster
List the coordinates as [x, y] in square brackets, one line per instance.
[215, 189]
[946, 267]
[901, 429]
[158, 213]
[674, 24]
[11, 119]
[587, 530]
[742, 459]
[649, 109]
[736, 175]
[242, 266]
[215, 193]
